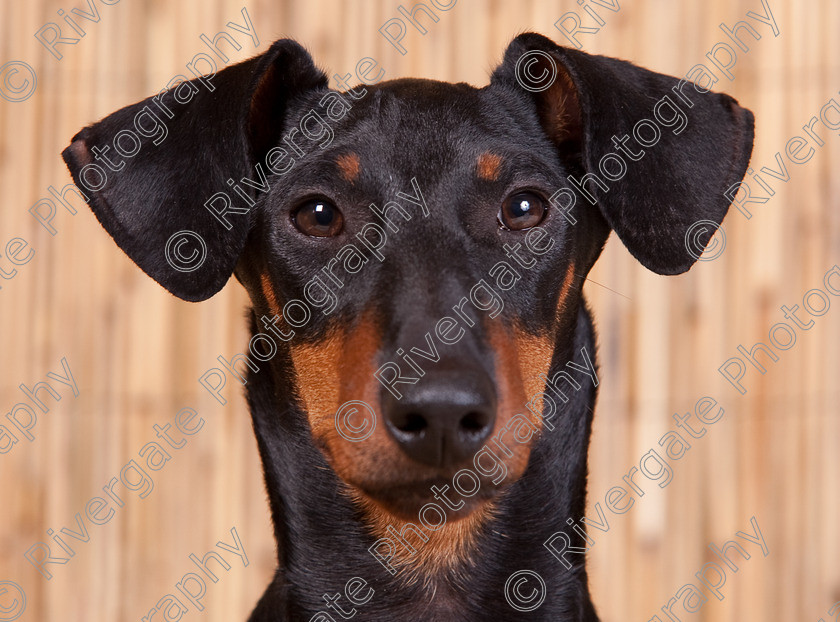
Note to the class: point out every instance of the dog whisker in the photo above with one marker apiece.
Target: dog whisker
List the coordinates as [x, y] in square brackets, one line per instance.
[585, 278]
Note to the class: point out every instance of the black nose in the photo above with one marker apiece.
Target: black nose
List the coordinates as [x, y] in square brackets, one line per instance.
[444, 419]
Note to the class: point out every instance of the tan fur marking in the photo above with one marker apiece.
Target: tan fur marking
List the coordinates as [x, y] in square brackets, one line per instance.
[448, 550]
[565, 289]
[338, 368]
[535, 354]
[520, 359]
[488, 166]
[349, 166]
[318, 380]
[268, 292]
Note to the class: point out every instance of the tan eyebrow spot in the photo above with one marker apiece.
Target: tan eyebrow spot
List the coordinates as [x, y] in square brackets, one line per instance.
[489, 166]
[349, 166]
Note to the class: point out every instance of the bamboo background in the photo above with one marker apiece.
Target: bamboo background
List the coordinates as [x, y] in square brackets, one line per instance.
[136, 351]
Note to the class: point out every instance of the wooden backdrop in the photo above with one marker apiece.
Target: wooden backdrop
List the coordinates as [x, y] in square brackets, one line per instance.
[136, 352]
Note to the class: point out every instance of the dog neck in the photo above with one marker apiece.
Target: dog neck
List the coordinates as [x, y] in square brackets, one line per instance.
[325, 531]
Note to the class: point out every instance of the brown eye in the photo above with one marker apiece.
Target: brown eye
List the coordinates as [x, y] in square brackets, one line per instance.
[318, 218]
[522, 210]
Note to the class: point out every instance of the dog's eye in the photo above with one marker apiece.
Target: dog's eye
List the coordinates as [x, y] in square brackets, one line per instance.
[318, 218]
[522, 210]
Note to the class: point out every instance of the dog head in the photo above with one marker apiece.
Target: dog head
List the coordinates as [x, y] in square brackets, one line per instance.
[414, 250]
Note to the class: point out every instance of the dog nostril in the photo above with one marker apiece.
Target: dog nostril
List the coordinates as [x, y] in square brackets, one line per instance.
[411, 423]
[474, 422]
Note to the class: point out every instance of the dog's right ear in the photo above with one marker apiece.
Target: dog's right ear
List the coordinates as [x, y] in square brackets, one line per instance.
[198, 135]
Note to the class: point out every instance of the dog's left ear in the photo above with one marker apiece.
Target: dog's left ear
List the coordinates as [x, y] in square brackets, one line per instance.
[696, 144]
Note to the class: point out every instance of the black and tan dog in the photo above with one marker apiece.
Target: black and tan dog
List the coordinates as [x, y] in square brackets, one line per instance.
[450, 229]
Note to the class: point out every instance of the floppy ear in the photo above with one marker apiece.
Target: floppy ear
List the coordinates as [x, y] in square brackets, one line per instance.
[597, 106]
[147, 170]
